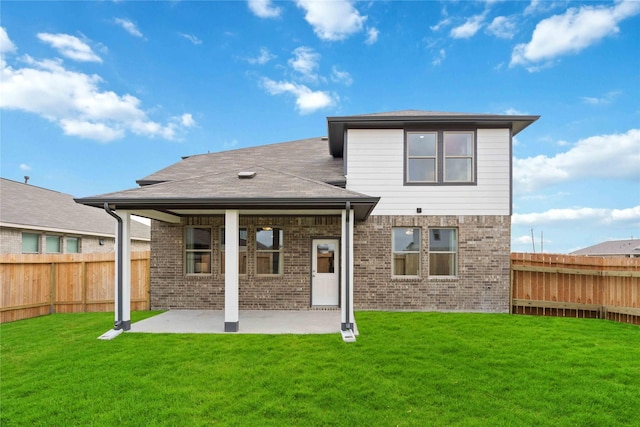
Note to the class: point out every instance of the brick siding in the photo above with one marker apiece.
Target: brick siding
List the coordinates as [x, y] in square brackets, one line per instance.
[482, 283]
[172, 288]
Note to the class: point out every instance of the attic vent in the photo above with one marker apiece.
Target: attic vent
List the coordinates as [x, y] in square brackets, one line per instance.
[246, 175]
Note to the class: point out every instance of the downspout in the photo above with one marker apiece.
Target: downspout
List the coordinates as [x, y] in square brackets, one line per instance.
[347, 324]
[118, 323]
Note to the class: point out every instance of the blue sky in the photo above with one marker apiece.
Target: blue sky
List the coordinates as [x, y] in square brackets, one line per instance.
[95, 95]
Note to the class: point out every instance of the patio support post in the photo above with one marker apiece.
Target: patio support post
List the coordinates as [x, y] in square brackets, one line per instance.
[232, 244]
[346, 297]
[122, 284]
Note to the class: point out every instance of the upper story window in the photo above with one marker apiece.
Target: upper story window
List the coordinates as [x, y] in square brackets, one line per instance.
[440, 157]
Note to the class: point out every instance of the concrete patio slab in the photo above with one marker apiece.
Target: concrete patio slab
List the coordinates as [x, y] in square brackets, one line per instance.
[251, 322]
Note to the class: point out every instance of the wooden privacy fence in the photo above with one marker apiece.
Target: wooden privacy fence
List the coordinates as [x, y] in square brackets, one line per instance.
[580, 286]
[38, 284]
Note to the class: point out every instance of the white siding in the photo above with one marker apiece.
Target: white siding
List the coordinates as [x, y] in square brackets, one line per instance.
[375, 166]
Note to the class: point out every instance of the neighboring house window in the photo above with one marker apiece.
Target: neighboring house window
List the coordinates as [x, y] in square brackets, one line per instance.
[52, 244]
[72, 245]
[269, 259]
[444, 157]
[198, 250]
[30, 243]
[406, 251]
[443, 252]
[242, 255]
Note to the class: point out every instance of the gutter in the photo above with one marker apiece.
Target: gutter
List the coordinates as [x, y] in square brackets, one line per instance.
[119, 323]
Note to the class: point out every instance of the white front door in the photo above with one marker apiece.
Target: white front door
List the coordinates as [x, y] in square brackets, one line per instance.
[325, 272]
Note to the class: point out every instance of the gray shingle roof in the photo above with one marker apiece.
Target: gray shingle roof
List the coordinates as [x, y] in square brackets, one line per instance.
[30, 207]
[611, 248]
[224, 189]
[308, 158]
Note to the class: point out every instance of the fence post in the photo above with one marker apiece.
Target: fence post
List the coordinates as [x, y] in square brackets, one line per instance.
[52, 288]
[83, 272]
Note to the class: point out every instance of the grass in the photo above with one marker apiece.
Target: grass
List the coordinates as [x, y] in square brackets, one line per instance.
[406, 369]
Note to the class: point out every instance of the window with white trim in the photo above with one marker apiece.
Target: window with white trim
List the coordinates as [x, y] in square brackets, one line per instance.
[30, 243]
[72, 245]
[52, 244]
[442, 157]
[406, 251]
[198, 250]
[242, 251]
[269, 259]
[443, 252]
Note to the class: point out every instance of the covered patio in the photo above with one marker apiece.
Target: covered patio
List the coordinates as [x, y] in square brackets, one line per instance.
[253, 322]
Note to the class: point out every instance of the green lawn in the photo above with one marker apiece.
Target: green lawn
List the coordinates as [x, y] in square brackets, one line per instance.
[405, 369]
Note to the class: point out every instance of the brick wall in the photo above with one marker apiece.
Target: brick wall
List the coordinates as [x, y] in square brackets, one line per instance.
[172, 288]
[482, 283]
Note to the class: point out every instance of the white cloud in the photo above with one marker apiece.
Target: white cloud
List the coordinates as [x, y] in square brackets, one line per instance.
[502, 27]
[341, 76]
[442, 54]
[469, 28]
[70, 46]
[128, 26]
[6, 46]
[602, 216]
[264, 9]
[75, 102]
[514, 112]
[186, 120]
[604, 156]
[307, 101]
[305, 62]
[604, 100]
[25, 167]
[444, 23]
[372, 35]
[264, 57]
[90, 130]
[571, 32]
[332, 20]
[193, 39]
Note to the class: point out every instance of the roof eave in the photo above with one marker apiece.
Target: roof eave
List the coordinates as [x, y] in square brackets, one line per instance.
[336, 126]
[362, 205]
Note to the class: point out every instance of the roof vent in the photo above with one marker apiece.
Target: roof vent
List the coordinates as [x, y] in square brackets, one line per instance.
[246, 175]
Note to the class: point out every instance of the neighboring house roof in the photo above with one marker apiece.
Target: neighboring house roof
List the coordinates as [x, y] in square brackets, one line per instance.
[309, 158]
[407, 118]
[628, 247]
[26, 206]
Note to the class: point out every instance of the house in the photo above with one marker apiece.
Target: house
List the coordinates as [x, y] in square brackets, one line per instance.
[39, 220]
[629, 248]
[408, 210]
